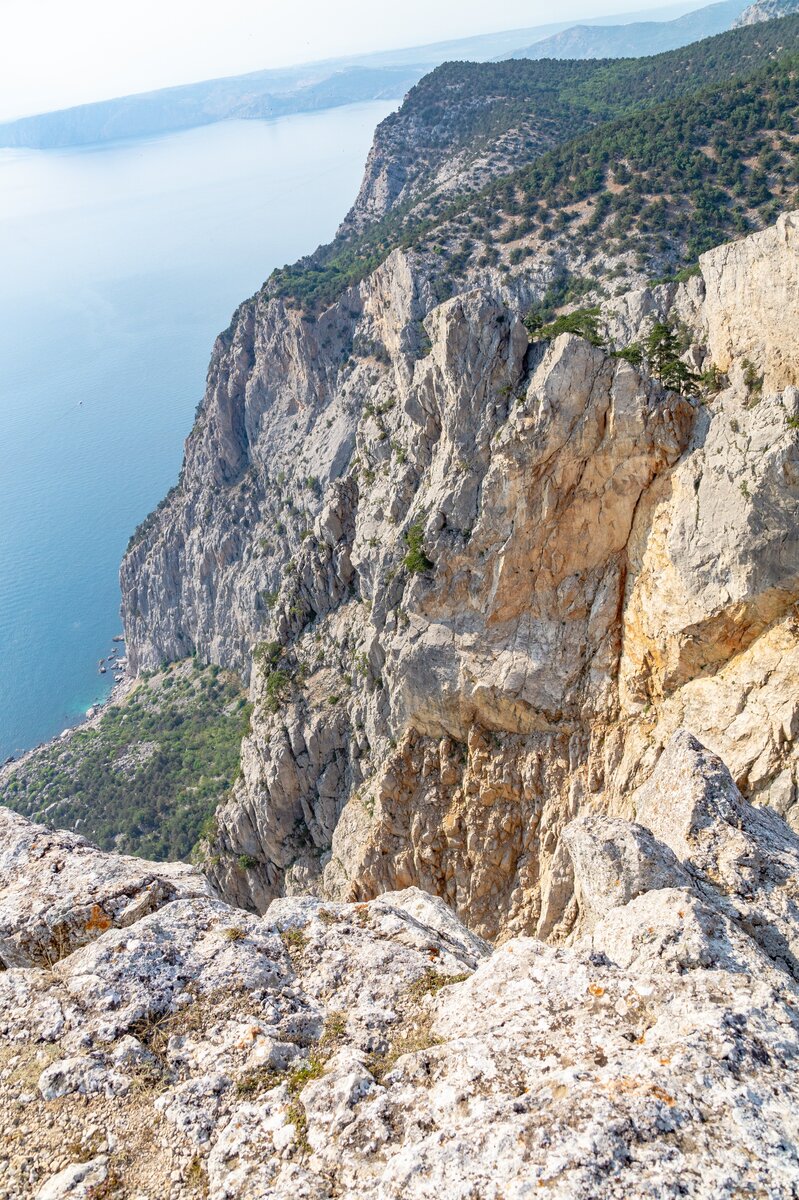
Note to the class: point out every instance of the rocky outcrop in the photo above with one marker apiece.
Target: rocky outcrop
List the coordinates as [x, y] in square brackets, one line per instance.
[766, 10]
[79, 892]
[752, 297]
[479, 582]
[382, 1050]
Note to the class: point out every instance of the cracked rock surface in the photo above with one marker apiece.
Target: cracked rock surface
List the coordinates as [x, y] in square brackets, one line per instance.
[382, 1050]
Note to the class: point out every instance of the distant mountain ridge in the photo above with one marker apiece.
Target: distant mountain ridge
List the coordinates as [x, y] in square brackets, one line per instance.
[639, 38]
[306, 88]
[767, 10]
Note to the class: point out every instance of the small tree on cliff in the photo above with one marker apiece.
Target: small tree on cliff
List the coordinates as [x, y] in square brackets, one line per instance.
[662, 350]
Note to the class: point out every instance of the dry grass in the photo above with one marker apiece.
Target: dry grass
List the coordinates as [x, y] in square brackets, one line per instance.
[416, 1032]
[295, 942]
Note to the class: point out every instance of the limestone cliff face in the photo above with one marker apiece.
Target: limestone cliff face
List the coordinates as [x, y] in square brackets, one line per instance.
[752, 294]
[766, 10]
[273, 439]
[488, 579]
[442, 148]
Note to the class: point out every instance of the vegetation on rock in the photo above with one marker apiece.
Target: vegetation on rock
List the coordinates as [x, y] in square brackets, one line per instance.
[663, 156]
[146, 778]
[416, 561]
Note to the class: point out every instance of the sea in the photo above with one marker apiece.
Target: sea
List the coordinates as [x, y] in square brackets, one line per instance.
[119, 264]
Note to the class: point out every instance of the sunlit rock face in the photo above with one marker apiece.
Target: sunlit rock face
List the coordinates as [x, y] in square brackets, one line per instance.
[478, 584]
[752, 296]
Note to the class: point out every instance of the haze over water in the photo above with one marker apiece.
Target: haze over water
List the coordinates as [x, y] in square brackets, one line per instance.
[118, 266]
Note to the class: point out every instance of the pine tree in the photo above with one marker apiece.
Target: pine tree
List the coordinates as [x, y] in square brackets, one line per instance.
[662, 349]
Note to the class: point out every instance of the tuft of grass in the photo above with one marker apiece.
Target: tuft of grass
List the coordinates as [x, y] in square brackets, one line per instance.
[295, 1082]
[155, 1030]
[334, 1030]
[414, 1039]
[295, 942]
[197, 1176]
[416, 1033]
[112, 1188]
[431, 982]
[148, 1078]
[257, 1080]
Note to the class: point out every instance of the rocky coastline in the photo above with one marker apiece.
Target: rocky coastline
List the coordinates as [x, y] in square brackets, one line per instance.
[121, 689]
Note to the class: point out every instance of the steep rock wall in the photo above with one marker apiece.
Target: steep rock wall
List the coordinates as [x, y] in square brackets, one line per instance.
[752, 301]
[488, 581]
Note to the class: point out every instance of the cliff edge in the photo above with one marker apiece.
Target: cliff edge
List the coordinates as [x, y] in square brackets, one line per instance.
[382, 1050]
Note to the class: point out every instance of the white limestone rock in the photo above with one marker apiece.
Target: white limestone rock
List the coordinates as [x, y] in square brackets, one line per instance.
[383, 1051]
[57, 891]
[83, 1074]
[692, 804]
[615, 861]
[752, 296]
[79, 1181]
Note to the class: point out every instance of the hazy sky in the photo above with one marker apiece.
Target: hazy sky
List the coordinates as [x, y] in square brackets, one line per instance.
[54, 53]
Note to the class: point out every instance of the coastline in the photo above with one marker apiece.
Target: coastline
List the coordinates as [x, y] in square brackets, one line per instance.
[119, 692]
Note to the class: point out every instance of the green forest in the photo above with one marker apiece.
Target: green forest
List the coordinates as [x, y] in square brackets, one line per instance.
[671, 154]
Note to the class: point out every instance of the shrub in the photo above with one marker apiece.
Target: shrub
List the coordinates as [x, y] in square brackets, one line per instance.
[662, 352]
[416, 561]
[584, 322]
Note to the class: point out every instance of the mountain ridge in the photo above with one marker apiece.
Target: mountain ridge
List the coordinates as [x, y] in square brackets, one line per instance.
[259, 94]
[636, 38]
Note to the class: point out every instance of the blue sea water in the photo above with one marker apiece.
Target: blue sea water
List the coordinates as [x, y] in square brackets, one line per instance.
[118, 266]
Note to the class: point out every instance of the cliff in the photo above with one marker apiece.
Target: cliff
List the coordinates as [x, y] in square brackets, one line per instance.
[753, 285]
[766, 10]
[503, 898]
[499, 576]
[323, 354]
[477, 580]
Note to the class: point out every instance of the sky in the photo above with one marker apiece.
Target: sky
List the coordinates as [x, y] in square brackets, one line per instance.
[54, 53]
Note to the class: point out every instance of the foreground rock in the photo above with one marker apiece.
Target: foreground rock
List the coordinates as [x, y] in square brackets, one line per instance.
[382, 1051]
[57, 891]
